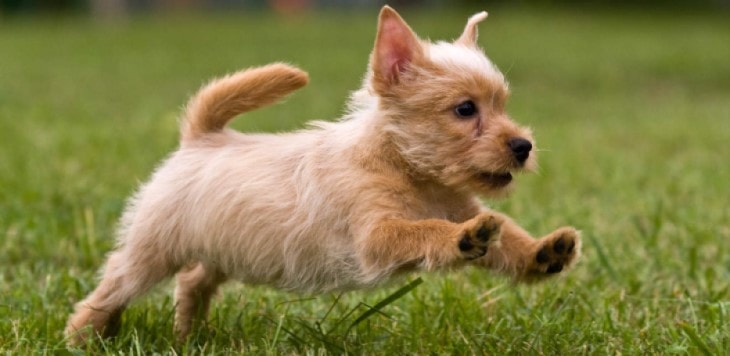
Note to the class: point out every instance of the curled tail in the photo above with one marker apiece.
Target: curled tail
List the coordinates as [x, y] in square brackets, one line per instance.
[222, 99]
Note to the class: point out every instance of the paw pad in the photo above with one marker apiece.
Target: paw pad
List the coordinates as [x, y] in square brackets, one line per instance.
[469, 250]
[465, 244]
[557, 252]
[475, 241]
[554, 268]
[484, 233]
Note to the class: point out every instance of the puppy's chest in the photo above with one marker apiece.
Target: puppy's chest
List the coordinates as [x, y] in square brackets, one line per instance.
[441, 205]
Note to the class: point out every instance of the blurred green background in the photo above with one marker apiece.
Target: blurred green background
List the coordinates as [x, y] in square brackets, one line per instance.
[120, 8]
[630, 106]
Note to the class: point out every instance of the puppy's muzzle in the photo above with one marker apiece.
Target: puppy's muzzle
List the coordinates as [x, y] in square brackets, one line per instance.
[520, 148]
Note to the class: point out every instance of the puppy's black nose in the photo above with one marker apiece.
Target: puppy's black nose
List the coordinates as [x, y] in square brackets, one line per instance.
[520, 148]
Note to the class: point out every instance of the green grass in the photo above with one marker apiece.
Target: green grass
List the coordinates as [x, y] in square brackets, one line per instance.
[631, 110]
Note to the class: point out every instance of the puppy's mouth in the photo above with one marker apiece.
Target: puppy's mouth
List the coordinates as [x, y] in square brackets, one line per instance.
[497, 180]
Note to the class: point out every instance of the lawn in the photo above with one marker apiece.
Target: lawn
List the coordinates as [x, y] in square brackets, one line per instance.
[631, 110]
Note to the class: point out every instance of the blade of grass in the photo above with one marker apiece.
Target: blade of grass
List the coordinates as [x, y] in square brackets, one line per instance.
[383, 303]
[603, 258]
[318, 335]
[696, 339]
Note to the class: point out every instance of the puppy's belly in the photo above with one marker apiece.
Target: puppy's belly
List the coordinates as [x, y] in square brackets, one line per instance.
[303, 263]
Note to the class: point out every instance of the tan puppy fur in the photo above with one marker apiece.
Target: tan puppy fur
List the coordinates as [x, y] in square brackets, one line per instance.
[388, 189]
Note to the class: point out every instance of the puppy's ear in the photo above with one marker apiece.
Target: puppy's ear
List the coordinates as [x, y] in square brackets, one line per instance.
[396, 47]
[469, 37]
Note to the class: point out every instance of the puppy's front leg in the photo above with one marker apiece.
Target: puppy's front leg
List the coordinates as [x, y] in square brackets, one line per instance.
[527, 259]
[400, 245]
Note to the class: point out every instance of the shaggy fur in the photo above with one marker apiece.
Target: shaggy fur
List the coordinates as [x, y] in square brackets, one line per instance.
[388, 189]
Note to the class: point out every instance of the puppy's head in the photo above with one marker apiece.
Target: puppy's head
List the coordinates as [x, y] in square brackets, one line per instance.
[445, 108]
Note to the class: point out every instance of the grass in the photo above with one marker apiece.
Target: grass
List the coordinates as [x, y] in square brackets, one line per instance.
[631, 110]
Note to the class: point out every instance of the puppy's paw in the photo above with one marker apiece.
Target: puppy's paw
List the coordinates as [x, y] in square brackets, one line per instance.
[555, 253]
[480, 232]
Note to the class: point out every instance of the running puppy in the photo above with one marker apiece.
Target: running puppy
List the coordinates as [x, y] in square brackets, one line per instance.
[388, 189]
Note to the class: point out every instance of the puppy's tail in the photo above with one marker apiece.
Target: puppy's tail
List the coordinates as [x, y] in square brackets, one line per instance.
[222, 99]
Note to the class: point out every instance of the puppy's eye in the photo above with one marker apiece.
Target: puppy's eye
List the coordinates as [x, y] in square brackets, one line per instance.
[466, 109]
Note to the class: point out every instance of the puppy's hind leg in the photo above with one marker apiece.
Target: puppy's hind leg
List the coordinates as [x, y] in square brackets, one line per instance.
[196, 285]
[129, 273]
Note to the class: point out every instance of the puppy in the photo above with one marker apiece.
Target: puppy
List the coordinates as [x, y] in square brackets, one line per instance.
[390, 188]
